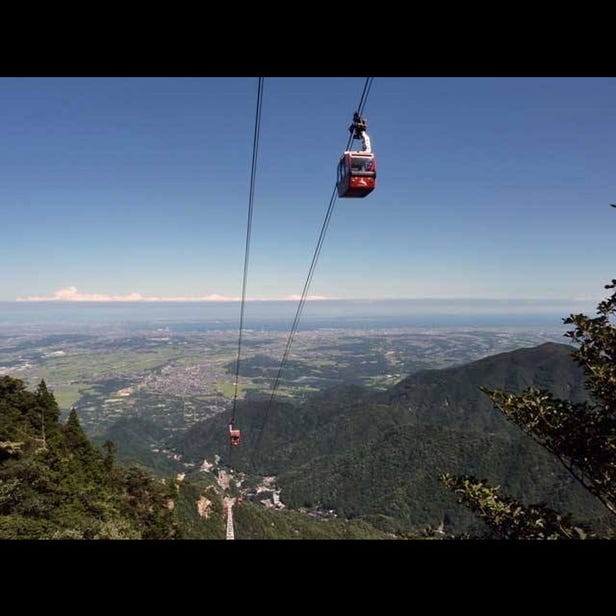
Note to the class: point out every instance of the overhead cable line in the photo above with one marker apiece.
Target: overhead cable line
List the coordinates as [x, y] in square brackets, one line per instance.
[311, 270]
[251, 196]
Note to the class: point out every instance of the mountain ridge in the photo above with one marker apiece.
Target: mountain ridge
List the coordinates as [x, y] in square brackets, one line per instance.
[364, 453]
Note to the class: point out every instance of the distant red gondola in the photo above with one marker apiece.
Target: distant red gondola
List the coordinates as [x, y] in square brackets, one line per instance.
[357, 170]
[234, 435]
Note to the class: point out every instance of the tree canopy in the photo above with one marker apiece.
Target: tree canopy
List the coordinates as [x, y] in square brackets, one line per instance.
[54, 484]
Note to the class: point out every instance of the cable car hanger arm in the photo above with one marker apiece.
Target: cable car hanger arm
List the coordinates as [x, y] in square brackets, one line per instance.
[358, 129]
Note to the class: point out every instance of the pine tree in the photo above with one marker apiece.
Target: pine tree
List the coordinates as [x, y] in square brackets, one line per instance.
[110, 450]
[48, 402]
[79, 447]
[76, 438]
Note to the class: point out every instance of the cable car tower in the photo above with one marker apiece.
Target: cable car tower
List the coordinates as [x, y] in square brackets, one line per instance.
[229, 533]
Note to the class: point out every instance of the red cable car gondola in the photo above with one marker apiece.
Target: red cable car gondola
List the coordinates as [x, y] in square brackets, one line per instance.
[234, 435]
[357, 170]
[356, 174]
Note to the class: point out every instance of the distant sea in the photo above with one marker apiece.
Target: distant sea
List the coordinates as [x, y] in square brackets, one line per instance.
[35, 317]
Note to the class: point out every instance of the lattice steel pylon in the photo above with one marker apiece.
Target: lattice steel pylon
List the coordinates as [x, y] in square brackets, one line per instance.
[230, 532]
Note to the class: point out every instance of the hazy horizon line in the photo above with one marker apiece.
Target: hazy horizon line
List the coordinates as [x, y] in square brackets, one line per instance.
[295, 299]
[72, 295]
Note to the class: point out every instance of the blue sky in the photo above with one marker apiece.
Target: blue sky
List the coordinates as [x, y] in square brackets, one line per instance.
[487, 188]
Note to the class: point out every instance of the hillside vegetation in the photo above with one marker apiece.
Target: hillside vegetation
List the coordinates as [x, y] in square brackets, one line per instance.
[374, 458]
[377, 457]
[581, 436]
[54, 484]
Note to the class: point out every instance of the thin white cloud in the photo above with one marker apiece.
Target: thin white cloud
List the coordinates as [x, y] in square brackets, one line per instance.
[297, 297]
[71, 294]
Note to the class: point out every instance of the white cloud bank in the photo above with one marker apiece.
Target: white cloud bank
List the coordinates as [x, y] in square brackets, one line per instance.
[71, 294]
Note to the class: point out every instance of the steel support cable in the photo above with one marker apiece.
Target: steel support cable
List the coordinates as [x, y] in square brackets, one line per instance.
[311, 270]
[251, 195]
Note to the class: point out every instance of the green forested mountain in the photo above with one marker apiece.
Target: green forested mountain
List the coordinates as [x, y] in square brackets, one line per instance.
[134, 439]
[54, 484]
[255, 522]
[378, 456]
[374, 458]
[201, 515]
[429, 395]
